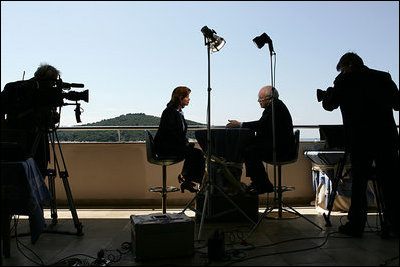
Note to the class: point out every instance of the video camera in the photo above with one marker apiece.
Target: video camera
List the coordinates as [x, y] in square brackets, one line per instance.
[321, 94]
[62, 87]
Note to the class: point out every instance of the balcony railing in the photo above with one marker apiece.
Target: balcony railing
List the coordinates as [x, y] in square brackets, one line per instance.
[308, 132]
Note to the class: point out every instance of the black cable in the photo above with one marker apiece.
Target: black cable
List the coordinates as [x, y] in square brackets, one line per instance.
[389, 261]
[70, 260]
[73, 260]
[18, 243]
[285, 252]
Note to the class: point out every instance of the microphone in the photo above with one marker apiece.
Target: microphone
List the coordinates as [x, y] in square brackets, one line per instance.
[62, 85]
[70, 85]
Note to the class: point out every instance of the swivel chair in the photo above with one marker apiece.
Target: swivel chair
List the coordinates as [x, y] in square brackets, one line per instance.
[279, 189]
[153, 158]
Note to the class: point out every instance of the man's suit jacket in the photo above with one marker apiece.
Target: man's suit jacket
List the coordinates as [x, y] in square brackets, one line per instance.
[283, 131]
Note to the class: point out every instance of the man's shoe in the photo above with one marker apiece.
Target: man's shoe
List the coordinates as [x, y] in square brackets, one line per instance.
[350, 230]
[180, 178]
[268, 187]
[258, 190]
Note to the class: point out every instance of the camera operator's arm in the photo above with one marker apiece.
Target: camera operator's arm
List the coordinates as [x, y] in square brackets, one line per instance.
[394, 94]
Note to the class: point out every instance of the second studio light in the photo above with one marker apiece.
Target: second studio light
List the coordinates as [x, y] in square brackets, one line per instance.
[261, 40]
[216, 42]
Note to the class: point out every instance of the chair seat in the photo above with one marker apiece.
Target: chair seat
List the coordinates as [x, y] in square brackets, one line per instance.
[159, 189]
[160, 160]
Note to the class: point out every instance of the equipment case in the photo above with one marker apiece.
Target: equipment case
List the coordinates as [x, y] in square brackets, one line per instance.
[158, 236]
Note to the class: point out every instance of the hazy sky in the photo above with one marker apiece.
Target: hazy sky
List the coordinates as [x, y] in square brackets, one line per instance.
[130, 55]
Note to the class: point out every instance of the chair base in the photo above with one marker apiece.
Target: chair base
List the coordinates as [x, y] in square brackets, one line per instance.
[159, 189]
[274, 214]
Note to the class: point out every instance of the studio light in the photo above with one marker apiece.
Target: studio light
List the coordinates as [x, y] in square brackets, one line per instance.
[216, 42]
[261, 40]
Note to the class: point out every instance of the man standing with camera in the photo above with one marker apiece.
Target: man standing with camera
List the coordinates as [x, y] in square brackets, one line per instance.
[28, 110]
[367, 98]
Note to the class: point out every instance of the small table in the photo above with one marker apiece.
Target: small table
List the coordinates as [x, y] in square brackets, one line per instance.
[226, 158]
[227, 147]
[324, 163]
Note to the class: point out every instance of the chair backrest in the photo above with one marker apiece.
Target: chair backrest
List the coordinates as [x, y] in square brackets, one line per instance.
[152, 157]
[150, 147]
[296, 145]
[294, 156]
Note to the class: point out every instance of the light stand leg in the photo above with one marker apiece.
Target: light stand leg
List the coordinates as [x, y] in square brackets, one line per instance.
[279, 205]
[204, 211]
[164, 189]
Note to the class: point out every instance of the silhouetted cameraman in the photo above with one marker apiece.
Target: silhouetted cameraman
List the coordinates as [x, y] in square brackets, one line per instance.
[28, 108]
[367, 98]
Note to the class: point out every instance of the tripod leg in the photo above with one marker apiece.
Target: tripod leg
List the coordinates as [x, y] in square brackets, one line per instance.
[52, 189]
[64, 176]
[332, 195]
[379, 207]
[78, 225]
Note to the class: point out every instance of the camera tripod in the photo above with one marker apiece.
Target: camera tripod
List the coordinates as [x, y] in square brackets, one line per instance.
[338, 176]
[63, 174]
[335, 183]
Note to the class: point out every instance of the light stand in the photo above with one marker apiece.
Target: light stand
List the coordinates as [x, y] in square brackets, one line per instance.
[214, 43]
[260, 41]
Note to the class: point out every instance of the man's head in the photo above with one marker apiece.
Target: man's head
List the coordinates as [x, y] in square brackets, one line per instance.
[46, 75]
[265, 96]
[349, 62]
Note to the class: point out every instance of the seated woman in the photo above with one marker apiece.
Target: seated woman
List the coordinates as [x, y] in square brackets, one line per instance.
[171, 140]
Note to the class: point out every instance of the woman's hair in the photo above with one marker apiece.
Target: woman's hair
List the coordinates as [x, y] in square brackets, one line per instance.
[350, 59]
[178, 94]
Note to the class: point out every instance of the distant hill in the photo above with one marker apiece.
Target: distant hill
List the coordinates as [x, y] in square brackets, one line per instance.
[131, 119]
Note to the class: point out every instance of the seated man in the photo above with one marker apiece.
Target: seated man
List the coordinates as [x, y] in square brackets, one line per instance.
[260, 148]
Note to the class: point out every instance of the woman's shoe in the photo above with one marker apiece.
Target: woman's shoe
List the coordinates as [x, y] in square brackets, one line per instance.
[188, 186]
[180, 178]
